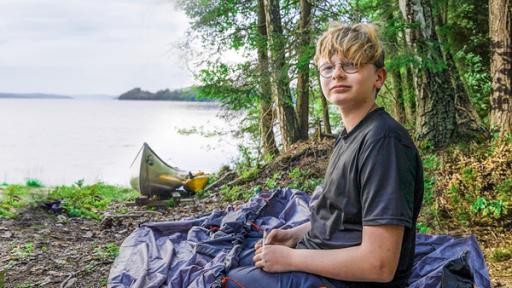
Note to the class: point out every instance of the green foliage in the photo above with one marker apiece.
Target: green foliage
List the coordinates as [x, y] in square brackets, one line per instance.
[489, 208]
[250, 174]
[272, 182]
[234, 193]
[16, 197]
[478, 81]
[301, 179]
[108, 251]
[422, 228]
[23, 250]
[472, 185]
[35, 183]
[501, 254]
[234, 85]
[430, 164]
[248, 163]
[171, 203]
[202, 193]
[89, 200]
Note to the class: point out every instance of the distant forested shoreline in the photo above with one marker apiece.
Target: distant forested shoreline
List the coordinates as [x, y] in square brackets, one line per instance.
[187, 94]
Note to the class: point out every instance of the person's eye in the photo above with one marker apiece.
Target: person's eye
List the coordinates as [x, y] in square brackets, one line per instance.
[326, 68]
[349, 65]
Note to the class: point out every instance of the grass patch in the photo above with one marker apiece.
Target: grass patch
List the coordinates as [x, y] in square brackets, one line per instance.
[501, 254]
[89, 200]
[238, 193]
[107, 251]
[16, 197]
[303, 180]
[78, 200]
[23, 251]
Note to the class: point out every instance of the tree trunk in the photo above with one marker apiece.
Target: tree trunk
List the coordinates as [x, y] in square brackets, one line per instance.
[304, 57]
[500, 30]
[398, 107]
[408, 88]
[266, 119]
[279, 71]
[436, 120]
[469, 125]
[325, 108]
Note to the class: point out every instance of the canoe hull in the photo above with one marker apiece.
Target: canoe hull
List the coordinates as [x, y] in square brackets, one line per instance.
[151, 176]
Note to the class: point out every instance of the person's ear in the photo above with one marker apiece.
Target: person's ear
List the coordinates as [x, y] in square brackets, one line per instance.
[381, 77]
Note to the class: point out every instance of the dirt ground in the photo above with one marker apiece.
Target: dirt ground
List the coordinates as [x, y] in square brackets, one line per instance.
[70, 252]
[41, 249]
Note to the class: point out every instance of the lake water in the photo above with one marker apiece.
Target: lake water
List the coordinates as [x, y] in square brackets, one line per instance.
[62, 141]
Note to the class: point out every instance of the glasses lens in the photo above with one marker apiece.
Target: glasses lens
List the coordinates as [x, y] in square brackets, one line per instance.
[349, 67]
[326, 70]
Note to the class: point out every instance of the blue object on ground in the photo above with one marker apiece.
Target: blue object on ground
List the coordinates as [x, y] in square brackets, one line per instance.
[216, 251]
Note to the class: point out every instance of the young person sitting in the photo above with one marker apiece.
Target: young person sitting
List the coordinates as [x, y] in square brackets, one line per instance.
[363, 223]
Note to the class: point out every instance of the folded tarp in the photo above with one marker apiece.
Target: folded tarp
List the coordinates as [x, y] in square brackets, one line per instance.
[216, 251]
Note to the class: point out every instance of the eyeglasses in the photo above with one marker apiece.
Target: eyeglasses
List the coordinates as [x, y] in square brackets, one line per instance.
[327, 70]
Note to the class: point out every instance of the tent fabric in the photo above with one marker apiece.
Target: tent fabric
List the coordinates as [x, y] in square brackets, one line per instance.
[215, 250]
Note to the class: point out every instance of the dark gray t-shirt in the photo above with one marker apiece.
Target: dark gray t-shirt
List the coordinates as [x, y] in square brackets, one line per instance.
[374, 177]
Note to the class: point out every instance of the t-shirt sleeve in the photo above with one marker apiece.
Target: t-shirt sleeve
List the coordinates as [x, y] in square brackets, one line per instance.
[387, 179]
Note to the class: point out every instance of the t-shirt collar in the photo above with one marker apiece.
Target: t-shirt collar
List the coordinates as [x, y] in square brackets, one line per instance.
[344, 135]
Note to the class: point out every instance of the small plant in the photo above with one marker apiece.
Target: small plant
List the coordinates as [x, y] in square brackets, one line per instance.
[250, 174]
[501, 254]
[202, 194]
[301, 179]
[236, 193]
[23, 251]
[108, 251]
[271, 182]
[504, 189]
[489, 208]
[171, 203]
[88, 201]
[15, 197]
[34, 183]
[422, 228]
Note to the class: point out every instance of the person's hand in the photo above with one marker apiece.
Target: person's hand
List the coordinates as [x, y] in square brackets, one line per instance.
[273, 258]
[282, 237]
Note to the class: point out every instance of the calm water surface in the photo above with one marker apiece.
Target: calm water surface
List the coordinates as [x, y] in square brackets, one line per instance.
[61, 141]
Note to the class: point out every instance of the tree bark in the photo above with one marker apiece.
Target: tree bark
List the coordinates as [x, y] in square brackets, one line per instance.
[302, 107]
[500, 30]
[280, 80]
[469, 124]
[436, 120]
[266, 117]
[325, 108]
[398, 107]
[408, 88]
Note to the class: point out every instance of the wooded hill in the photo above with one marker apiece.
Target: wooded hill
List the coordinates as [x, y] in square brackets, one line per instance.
[176, 95]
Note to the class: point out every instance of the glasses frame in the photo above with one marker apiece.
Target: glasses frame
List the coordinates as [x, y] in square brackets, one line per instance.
[342, 66]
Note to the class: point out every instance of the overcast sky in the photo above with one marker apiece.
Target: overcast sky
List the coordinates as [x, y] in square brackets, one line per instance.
[90, 46]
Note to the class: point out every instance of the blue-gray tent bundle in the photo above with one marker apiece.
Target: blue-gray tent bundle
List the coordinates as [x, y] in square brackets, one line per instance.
[216, 250]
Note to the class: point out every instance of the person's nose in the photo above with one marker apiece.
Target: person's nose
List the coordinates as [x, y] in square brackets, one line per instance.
[338, 72]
